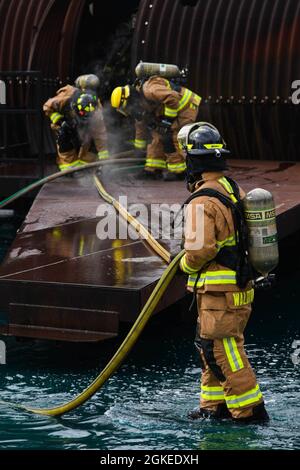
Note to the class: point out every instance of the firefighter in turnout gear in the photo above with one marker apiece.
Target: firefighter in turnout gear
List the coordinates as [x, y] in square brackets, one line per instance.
[162, 107]
[220, 276]
[77, 121]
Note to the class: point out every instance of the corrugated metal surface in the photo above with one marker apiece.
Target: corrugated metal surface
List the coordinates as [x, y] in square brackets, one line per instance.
[38, 35]
[243, 58]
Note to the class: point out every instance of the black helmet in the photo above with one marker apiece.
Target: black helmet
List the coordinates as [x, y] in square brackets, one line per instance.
[84, 104]
[204, 147]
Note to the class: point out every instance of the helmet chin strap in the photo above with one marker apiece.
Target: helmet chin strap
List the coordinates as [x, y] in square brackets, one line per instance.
[192, 183]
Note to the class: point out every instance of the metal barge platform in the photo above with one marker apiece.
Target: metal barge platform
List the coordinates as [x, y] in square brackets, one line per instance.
[60, 281]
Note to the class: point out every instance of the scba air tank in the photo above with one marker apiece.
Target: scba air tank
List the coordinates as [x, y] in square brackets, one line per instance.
[87, 82]
[263, 240]
[148, 69]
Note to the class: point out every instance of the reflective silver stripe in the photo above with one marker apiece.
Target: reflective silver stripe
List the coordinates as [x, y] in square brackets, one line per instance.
[155, 163]
[246, 399]
[232, 351]
[176, 167]
[213, 394]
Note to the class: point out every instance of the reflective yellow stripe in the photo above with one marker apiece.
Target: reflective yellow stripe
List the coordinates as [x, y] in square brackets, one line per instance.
[197, 99]
[103, 155]
[212, 393]
[213, 146]
[177, 167]
[243, 298]
[186, 268]
[155, 163]
[81, 245]
[238, 401]
[55, 117]
[223, 181]
[67, 166]
[185, 99]
[168, 84]
[169, 112]
[139, 143]
[213, 278]
[229, 241]
[233, 354]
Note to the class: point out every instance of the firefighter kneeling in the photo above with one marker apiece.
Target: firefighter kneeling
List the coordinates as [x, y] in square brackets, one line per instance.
[77, 121]
[220, 276]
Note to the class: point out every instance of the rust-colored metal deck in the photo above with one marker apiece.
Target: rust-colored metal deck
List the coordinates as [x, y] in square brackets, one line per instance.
[60, 281]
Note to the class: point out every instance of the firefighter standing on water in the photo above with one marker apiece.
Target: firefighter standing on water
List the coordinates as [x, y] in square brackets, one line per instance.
[219, 275]
[162, 106]
[77, 121]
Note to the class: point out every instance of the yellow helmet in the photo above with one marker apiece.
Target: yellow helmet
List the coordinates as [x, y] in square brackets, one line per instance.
[119, 97]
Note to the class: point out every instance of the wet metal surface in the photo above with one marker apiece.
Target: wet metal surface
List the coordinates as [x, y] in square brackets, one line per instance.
[58, 261]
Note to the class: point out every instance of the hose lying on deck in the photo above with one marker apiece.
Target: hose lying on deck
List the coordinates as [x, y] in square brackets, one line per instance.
[116, 159]
[137, 327]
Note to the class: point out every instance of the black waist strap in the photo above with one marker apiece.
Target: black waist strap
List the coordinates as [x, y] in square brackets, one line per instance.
[228, 257]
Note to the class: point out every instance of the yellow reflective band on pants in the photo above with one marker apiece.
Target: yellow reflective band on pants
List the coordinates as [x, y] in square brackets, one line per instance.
[103, 155]
[185, 267]
[233, 354]
[212, 278]
[243, 298]
[67, 166]
[212, 393]
[177, 167]
[249, 398]
[139, 144]
[155, 163]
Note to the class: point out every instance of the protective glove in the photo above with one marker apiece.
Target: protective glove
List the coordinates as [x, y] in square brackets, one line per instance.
[65, 137]
[164, 126]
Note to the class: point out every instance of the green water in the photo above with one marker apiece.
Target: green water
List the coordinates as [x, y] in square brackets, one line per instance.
[144, 405]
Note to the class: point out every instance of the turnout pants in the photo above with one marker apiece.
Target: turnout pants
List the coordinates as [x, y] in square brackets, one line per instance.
[70, 151]
[227, 376]
[157, 158]
[73, 158]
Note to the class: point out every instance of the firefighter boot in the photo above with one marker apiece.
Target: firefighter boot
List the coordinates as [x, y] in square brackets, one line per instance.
[259, 416]
[149, 175]
[221, 412]
[169, 176]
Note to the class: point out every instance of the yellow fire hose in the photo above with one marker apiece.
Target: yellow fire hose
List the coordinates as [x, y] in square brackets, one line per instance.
[137, 327]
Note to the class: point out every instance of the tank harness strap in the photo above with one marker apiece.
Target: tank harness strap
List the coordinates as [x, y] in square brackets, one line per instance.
[235, 257]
